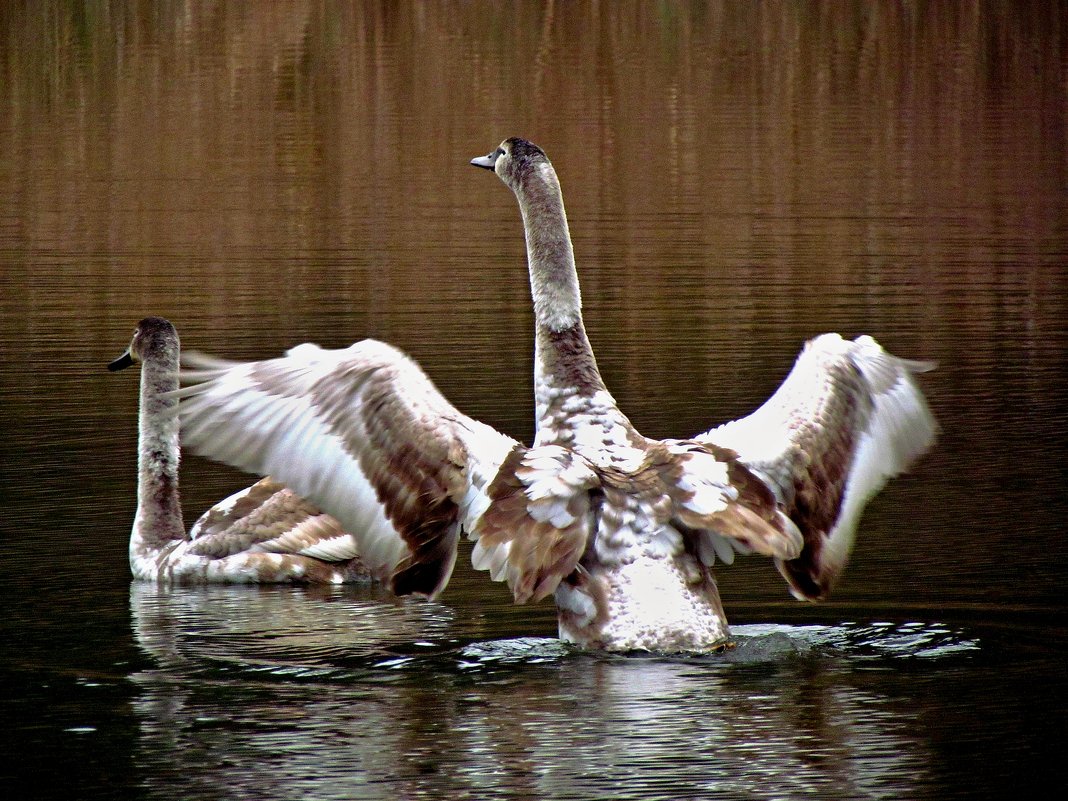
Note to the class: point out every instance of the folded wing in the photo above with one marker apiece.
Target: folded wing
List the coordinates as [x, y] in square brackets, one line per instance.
[269, 518]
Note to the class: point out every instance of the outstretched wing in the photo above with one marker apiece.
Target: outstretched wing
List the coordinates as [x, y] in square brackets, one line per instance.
[269, 518]
[366, 436]
[848, 417]
[363, 434]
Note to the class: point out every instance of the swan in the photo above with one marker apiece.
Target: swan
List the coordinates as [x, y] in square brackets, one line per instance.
[622, 530]
[262, 534]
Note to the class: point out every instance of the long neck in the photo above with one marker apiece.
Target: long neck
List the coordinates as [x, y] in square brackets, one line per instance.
[159, 513]
[553, 279]
[563, 354]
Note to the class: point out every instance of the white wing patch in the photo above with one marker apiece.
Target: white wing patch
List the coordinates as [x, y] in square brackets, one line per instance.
[284, 437]
[848, 417]
[362, 433]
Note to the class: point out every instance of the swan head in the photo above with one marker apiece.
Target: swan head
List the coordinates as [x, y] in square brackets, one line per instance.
[514, 160]
[153, 337]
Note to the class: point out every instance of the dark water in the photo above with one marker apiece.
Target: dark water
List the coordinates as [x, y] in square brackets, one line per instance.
[738, 179]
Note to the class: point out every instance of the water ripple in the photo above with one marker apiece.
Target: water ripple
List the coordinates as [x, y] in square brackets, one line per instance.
[353, 635]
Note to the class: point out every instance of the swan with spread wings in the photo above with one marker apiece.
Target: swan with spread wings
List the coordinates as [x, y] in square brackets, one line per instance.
[622, 530]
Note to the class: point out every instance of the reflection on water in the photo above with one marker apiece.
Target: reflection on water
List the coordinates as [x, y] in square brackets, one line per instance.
[288, 692]
[298, 628]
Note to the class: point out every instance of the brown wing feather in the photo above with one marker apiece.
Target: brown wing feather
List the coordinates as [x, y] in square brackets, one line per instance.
[847, 418]
[363, 433]
[266, 517]
[416, 478]
[536, 526]
[750, 513]
[818, 480]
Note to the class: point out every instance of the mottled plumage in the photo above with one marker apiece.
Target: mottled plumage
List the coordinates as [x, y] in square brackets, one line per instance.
[262, 534]
[622, 530]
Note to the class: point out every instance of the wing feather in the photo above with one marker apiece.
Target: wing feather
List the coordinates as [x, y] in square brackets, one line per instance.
[364, 434]
[848, 417]
[537, 523]
[269, 518]
[361, 432]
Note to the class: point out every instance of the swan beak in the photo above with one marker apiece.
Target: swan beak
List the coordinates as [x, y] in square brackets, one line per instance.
[486, 162]
[121, 363]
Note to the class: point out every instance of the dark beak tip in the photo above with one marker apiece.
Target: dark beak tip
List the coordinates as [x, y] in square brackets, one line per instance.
[121, 363]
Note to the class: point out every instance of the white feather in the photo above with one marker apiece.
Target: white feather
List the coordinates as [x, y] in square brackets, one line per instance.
[234, 418]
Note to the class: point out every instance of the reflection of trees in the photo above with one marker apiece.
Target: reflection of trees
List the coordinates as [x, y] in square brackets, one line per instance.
[700, 136]
[277, 693]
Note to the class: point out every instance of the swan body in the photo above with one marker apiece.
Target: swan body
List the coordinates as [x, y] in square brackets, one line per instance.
[262, 534]
[622, 530]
